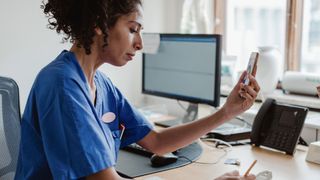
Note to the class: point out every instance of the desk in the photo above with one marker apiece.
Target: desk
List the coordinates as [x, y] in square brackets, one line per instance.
[283, 167]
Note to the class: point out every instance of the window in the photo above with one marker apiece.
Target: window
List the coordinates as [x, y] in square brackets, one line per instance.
[254, 23]
[293, 26]
[311, 37]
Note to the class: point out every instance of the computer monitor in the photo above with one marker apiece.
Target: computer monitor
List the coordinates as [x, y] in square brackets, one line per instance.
[186, 67]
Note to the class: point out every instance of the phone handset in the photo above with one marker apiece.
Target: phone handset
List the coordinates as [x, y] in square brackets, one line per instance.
[258, 121]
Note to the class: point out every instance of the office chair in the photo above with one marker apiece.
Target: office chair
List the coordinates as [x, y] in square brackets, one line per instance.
[10, 122]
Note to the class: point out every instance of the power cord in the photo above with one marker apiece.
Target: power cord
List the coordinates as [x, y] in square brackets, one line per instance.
[199, 162]
[301, 141]
[243, 120]
[218, 144]
[215, 162]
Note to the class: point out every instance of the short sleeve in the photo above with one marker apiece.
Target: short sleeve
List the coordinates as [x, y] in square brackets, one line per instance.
[136, 125]
[74, 141]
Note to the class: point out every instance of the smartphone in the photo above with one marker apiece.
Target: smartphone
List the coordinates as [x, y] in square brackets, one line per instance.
[252, 67]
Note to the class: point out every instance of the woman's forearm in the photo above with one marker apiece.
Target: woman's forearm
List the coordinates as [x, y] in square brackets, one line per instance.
[173, 138]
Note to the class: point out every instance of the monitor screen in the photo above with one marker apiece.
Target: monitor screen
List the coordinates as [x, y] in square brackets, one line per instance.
[186, 67]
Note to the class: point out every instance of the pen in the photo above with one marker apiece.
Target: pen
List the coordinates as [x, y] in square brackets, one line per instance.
[251, 166]
[122, 128]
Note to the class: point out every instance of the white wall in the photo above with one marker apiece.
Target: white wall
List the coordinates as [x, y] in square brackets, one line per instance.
[27, 45]
[160, 17]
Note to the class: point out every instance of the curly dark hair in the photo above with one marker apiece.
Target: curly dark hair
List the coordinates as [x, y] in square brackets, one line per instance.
[77, 19]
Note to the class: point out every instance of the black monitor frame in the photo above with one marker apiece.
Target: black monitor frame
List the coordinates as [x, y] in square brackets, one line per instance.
[214, 102]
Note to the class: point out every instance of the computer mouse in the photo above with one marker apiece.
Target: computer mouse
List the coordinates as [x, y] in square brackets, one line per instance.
[158, 161]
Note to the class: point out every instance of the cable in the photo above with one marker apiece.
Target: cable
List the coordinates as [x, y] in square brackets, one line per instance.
[243, 120]
[215, 162]
[232, 143]
[199, 162]
[218, 142]
[301, 141]
[218, 146]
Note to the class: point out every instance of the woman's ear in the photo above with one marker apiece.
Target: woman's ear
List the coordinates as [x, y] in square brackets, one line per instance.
[98, 31]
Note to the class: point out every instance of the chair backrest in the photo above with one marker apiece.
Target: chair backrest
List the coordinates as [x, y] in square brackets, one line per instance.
[10, 122]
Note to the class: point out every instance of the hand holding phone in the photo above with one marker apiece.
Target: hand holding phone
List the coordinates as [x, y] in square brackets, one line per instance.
[252, 67]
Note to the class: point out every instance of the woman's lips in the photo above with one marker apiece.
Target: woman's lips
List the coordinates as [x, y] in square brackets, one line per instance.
[130, 56]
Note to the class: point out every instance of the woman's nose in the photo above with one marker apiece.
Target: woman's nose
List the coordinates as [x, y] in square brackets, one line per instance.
[138, 45]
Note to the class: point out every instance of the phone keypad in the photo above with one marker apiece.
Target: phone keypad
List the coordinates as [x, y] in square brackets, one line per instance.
[282, 140]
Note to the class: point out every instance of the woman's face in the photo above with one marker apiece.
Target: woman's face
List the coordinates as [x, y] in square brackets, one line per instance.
[124, 39]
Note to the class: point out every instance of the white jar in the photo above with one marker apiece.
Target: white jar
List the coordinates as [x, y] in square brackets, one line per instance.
[269, 64]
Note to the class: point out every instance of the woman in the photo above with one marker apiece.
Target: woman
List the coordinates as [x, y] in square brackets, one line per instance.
[72, 124]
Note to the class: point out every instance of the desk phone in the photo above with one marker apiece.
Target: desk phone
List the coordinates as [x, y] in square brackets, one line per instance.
[278, 126]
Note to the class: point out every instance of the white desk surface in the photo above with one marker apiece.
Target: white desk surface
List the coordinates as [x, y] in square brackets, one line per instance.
[282, 166]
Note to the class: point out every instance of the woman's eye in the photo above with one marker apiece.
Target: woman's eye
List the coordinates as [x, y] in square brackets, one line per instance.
[133, 30]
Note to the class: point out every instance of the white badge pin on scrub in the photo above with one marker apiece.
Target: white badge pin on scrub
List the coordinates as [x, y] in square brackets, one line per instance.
[108, 117]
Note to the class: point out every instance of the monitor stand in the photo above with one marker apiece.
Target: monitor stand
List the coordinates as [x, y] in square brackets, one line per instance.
[192, 113]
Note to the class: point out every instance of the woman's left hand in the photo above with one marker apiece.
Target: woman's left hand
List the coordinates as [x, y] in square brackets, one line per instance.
[241, 97]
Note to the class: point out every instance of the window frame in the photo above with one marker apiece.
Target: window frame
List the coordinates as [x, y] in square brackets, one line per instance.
[293, 33]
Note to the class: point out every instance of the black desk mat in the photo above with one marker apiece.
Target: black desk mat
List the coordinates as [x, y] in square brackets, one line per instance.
[134, 165]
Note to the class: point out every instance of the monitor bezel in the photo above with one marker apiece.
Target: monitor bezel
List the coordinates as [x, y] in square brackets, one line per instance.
[214, 102]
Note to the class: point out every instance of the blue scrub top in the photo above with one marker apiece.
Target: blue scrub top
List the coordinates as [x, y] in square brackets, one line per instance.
[64, 135]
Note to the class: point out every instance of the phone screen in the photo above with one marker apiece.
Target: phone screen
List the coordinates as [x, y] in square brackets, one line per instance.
[251, 66]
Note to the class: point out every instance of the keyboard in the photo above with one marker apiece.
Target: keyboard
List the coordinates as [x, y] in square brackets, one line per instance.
[135, 148]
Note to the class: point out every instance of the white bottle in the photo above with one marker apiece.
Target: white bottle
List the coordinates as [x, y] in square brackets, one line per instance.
[269, 64]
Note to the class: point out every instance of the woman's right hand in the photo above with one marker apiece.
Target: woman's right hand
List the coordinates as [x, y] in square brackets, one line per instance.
[241, 98]
[234, 175]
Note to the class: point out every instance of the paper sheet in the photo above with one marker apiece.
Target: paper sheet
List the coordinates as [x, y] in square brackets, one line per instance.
[151, 43]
